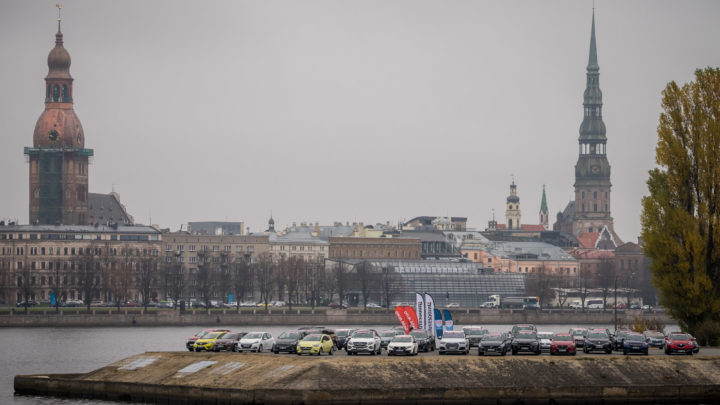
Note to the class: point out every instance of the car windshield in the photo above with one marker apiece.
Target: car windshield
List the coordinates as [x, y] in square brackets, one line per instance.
[201, 333]
[387, 334]
[527, 335]
[419, 334]
[492, 338]
[475, 332]
[655, 334]
[561, 338]
[680, 336]
[289, 335]
[213, 335]
[312, 338]
[635, 338]
[231, 336]
[545, 335]
[342, 332]
[402, 339]
[579, 332]
[454, 335]
[363, 335]
[254, 335]
[598, 336]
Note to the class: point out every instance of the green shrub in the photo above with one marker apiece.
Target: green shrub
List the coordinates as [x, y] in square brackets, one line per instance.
[708, 333]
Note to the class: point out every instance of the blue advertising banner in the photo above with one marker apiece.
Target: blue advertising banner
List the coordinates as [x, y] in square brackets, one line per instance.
[52, 299]
[230, 298]
[448, 319]
[438, 323]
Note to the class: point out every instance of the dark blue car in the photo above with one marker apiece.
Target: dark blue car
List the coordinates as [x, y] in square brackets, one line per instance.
[635, 343]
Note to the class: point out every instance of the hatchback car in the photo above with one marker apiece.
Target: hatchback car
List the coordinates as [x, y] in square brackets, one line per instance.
[654, 338]
[229, 341]
[545, 340]
[288, 341]
[256, 342]
[494, 343]
[563, 343]
[316, 343]
[192, 339]
[402, 345]
[207, 342]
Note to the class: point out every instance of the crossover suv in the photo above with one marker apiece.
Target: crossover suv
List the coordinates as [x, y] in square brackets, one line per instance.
[493, 343]
[679, 343]
[288, 341]
[635, 343]
[563, 343]
[578, 335]
[620, 338]
[425, 342]
[525, 341]
[454, 342]
[363, 341]
[654, 338]
[474, 335]
[520, 327]
[597, 341]
[402, 344]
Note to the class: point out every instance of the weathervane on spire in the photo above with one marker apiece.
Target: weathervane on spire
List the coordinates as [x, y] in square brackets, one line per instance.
[59, 7]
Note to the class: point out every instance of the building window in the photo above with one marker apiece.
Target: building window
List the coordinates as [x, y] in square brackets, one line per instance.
[191, 248]
[216, 248]
[595, 195]
[595, 207]
[238, 249]
[181, 248]
[227, 249]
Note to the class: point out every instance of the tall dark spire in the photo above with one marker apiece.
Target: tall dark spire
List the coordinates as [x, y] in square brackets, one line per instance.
[592, 60]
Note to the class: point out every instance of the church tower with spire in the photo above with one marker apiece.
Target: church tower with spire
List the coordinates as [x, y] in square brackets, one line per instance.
[58, 158]
[544, 214]
[590, 212]
[512, 210]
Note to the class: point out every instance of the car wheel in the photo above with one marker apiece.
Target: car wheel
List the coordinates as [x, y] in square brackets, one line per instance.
[348, 353]
[537, 353]
[481, 353]
[190, 349]
[608, 351]
[624, 352]
[260, 349]
[646, 352]
[690, 353]
[332, 351]
[299, 354]
[514, 352]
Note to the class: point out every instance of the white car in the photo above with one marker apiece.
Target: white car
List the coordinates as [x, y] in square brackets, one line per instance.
[545, 340]
[452, 305]
[402, 344]
[454, 342]
[373, 305]
[488, 304]
[256, 342]
[364, 341]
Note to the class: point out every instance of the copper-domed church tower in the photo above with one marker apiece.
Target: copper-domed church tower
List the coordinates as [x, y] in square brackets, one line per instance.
[58, 158]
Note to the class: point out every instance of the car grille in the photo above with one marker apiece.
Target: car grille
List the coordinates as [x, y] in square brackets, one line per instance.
[305, 349]
[246, 346]
[360, 345]
[452, 346]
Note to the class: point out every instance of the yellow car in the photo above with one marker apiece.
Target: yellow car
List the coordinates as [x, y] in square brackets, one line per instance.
[316, 343]
[208, 341]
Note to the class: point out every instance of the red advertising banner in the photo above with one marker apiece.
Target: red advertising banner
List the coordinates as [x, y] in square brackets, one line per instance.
[411, 316]
[401, 317]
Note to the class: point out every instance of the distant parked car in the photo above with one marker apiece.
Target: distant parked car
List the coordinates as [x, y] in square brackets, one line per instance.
[452, 305]
[521, 327]
[654, 338]
[597, 341]
[373, 305]
[316, 343]
[256, 342]
[207, 342]
[192, 339]
[402, 345]
[578, 335]
[426, 343]
[563, 343]
[635, 343]
[342, 336]
[288, 341]
[679, 343]
[453, 341]
[525, 341]
[474, 335]
[364, 341]
[337, 305]
[487, 304]
[229, 341]
[620, 338]
[545, 340]
[494, 343]
[386, 336]
[30, 303]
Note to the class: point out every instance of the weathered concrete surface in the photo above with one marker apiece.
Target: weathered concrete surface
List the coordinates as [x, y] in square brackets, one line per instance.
[277, 317]
[246, 378]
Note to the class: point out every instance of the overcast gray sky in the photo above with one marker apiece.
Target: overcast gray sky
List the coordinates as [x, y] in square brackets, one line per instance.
[367, 111]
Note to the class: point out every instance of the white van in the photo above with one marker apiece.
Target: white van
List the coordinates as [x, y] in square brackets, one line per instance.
[577, 304]
[594, 304]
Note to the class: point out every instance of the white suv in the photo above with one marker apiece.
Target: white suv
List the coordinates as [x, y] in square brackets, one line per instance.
[364, 341]
[454, 342]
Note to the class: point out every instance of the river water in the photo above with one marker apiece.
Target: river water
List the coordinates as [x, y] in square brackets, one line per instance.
[81, 350]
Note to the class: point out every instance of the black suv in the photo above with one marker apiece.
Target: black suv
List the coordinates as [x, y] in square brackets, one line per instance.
[598, 341]
[288, 341]
[525, 341]
[474, 335]
[342, 336]
[425, 343]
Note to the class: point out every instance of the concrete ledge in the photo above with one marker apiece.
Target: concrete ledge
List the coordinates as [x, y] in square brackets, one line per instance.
[231, 378]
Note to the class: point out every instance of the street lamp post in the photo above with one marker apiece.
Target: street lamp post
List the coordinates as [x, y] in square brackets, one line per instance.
[615, 304]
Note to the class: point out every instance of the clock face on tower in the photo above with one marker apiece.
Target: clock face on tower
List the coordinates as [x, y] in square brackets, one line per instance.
[595, 169]
[53, 135]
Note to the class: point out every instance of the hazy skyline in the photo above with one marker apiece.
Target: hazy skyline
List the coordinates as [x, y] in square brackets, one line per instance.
[367, 111]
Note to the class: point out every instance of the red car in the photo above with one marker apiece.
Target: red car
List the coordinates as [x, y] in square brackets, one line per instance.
[679, 343]
[563, 343]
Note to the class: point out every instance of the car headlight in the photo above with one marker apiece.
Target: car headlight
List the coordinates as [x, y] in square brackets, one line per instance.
[316, 345]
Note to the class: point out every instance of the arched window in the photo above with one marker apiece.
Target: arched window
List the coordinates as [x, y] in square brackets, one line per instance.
[56, 93]
[65, 95]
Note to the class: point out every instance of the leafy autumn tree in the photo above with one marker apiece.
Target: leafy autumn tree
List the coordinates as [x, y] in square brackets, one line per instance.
[681, 216]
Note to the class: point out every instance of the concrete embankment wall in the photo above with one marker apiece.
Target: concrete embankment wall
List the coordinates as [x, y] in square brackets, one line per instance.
[332, 317]
[230, 378]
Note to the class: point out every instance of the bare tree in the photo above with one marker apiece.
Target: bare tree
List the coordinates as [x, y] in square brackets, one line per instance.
[365, 279]
[89, 275]
[583, 284]
[606, 274]
[540, 285]
[314, 281]
[24, 283]
[293, 271]
[264, 270]
[174, 279]
[241, 279]
[123, 277]
[341, 280]
[205, 281]
[146, 275]
[561, 286]
[391, 284]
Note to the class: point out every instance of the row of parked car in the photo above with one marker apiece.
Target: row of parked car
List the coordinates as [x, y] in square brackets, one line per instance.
[520, 339]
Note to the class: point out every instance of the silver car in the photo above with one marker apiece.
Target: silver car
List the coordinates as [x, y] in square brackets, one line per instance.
[454, 342]
[256, 342]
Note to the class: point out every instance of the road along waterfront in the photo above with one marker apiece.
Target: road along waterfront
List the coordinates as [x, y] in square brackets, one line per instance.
[81, 350]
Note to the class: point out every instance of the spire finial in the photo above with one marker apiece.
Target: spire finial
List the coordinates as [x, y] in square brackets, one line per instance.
[59, 7]
[592, 60]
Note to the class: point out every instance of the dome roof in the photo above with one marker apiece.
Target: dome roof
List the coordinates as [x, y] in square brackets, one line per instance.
[513, 199]
[58, 127]
[59, 60]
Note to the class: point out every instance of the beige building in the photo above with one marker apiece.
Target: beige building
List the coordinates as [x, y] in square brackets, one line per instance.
[522, 257]
[375, 248]
[39, 260]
